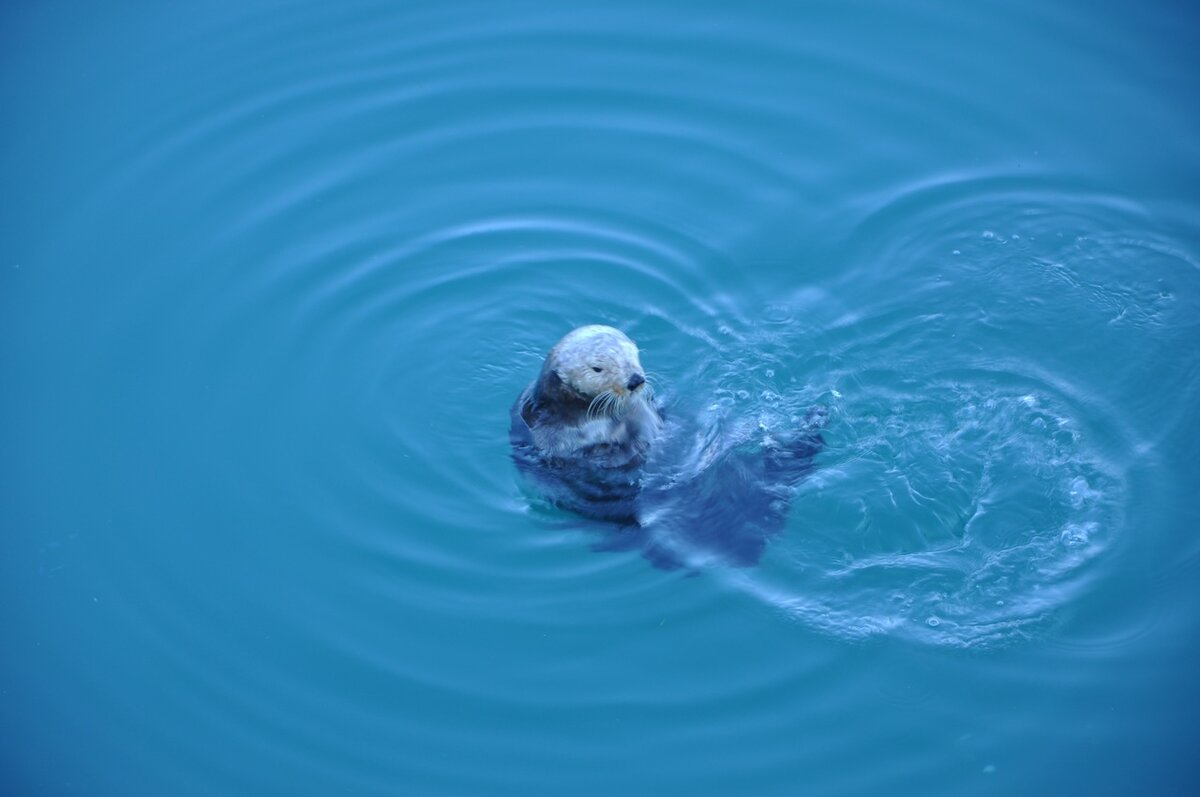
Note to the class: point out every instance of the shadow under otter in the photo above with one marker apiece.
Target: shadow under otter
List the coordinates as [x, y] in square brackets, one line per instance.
[683, 494]
[724, 510]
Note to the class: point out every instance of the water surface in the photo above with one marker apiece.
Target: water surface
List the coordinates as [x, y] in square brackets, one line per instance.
[272, 274]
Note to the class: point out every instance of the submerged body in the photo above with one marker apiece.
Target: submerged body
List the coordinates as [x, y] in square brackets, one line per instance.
[589, 432]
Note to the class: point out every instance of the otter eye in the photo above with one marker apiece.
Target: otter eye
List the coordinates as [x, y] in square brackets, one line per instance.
[597, 368]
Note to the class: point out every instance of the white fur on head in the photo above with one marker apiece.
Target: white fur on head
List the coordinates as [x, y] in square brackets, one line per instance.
[596, 359]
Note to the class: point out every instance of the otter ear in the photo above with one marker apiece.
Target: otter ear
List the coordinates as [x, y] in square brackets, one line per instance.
[558, 387]
[555, 386]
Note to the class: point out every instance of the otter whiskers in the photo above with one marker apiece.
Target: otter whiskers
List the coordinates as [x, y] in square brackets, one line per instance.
[607, 405]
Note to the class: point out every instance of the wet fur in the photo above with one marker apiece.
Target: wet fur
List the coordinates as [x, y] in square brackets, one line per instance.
[585, 462]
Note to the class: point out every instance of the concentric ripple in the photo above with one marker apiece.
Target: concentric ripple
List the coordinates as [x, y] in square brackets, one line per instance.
[967, 489]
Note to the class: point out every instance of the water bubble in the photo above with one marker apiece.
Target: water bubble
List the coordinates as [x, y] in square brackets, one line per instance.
[1080, 491]
[933, 622]
[1075, 535]
[777, 314]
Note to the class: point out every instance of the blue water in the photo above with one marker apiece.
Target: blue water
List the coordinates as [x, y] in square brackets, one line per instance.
[272, 274]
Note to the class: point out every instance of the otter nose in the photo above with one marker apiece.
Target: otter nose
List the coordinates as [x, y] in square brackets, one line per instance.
[634, 381]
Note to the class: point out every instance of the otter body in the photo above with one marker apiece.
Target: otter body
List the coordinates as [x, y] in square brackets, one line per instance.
[589, 433]
[586, 425]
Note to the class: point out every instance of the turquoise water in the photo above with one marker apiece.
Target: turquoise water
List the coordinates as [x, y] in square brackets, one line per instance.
[272, 275]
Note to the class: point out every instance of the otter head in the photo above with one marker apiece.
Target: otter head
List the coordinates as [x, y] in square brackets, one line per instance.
[598, 365]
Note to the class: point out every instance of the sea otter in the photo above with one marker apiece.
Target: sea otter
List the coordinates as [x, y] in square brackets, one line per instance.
[590, 434]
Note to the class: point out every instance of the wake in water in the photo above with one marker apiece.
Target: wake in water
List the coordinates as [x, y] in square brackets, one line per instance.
[963, 515]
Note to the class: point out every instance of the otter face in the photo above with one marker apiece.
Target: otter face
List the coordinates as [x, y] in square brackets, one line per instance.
[595, 360]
